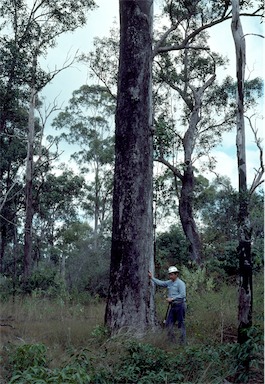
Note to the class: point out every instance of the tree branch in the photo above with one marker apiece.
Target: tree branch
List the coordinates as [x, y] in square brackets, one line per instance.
[174, 170]
[257, 181]
[175, 47]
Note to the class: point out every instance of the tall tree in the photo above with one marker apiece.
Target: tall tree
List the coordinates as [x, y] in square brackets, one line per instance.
[33, 30]
[244, 230]
[189, 133]
[130, 304]
[87, 123]
[184, 40]
[244, 224]
[29, 174]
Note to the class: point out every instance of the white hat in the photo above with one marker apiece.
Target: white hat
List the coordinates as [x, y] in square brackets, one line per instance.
[172, 269]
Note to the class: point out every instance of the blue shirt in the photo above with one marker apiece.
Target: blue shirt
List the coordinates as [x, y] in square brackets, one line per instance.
[176, 289]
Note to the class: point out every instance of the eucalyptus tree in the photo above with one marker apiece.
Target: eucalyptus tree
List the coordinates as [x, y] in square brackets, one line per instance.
[87, 124]
[56, 202]
[12, 157]
[216, 204]
[188, 66]
[130, 302]
[184, 138]
[56, 207]
[189, 133]
[245, 305]
[103, 60]
[187, 21]
[27, 35]
[200, 15]
[82, 268]
[184, 44]
[29, 31]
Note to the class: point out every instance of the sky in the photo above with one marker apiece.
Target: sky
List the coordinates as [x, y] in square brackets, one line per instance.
[99, 24]
[222, 41]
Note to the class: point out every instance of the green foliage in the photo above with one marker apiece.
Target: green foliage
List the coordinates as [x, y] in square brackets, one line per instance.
[57, 199]
[146, 364]
[197, 280]
[6, 287]
[87, 269]
[87, 123]
[249, 356]
[74, 347]
[28, 355]
[103, 60]
[30, 30]
[100, 333]
[216, 205]
[30, 367]
[141, 363]
[171, 248]
[42, 279]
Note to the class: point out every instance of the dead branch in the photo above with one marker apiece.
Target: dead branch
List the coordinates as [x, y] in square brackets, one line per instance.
[257, 181]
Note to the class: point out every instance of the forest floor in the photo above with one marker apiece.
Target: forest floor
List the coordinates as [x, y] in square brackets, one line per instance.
[65, 327]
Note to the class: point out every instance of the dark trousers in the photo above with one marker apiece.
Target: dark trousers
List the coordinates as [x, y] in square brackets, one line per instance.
[177, 315]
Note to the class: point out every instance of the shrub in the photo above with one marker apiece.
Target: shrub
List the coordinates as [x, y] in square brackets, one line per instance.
[146, 364]
[6, 287]
[197, 280]
[28, 355]
[29, 363]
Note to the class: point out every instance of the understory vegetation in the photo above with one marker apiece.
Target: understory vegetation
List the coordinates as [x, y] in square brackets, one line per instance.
[63, 340]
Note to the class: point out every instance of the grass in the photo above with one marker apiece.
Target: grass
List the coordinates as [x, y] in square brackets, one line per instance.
[211, 316]
[61, 326]
[65, 328]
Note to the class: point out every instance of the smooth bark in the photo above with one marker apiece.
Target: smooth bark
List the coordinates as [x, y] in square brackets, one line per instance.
[244, 247]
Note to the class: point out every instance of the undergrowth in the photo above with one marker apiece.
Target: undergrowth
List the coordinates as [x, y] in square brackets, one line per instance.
[140, 363]
[64, 342]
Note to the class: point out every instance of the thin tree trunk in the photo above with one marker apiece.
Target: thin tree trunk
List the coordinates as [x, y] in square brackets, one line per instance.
[96, 208]
[15, 258]
[244, 230]
[6, 213]
[28, 190]
[2, 247]
[130, 302]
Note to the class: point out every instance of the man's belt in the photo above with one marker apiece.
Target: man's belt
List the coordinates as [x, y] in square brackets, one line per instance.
[177, 301]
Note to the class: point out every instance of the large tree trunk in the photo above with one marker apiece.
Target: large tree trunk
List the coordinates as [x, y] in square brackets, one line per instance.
[130, 302]
[244, 229]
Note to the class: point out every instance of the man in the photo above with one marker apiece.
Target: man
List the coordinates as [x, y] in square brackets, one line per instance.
[176, 299]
